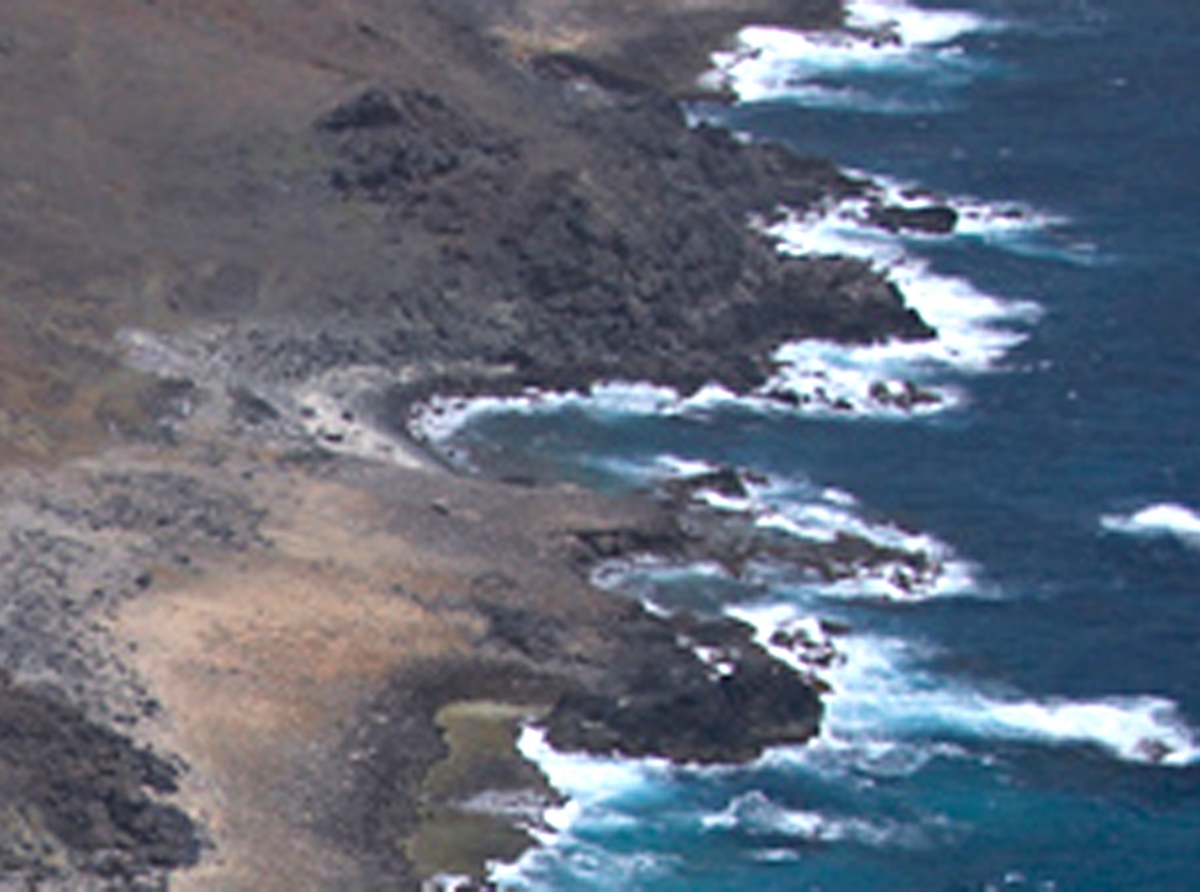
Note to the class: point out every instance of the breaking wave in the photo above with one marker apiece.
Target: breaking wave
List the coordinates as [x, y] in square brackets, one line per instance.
[1164, 519]
[892, 44]
[879, 689]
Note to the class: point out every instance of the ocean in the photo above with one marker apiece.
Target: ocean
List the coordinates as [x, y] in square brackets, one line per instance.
[1022, 714]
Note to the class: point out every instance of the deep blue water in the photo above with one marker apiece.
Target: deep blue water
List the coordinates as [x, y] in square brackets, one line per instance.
[1085, 109]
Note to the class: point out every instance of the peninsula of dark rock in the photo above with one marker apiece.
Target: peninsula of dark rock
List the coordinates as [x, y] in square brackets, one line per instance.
[252, 636]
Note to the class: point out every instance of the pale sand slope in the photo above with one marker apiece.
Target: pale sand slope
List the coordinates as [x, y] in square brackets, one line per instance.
[266, 662]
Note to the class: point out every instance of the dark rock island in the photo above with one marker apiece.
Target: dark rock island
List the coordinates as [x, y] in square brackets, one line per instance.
[253, 638]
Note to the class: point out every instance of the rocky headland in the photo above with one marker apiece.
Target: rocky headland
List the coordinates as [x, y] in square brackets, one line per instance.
[253, 638]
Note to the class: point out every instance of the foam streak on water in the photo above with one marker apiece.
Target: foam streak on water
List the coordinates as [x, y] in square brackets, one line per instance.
[881, 691]
[972, 327]
[883, 37]
[754, 813]
[1165, 519]
[924, 566]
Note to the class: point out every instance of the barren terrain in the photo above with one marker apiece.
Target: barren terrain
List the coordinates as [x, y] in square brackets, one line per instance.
[237, 239]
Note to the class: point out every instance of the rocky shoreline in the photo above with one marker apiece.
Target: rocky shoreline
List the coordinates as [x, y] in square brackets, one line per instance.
[239, 244]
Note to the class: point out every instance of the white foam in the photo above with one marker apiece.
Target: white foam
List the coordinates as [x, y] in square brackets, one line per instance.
[886, 716]
[912, 25]
[969, 323]
[1164, 519]
[813, 378]
[641, 575]
[720, 662]
[594, 787]
[857, 567]
[923, 567]
[826, 379]
[756, 814]
[827, 516]
[895, 379]
[582, 865]
[448, 882]
[584, 778]
[881, 36]
[809, 648]
[994, 222]
[674, 466]
[439, 417]
[1136, 729]
[720, 502]
[880, 690]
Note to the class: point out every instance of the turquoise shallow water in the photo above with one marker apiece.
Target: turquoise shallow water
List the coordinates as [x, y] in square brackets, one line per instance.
[1027, 720]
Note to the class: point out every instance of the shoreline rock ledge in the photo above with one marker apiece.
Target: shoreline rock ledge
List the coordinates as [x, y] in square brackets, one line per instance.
[246, 626]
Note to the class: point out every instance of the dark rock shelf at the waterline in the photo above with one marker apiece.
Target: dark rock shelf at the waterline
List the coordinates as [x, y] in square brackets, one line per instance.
[234, 232]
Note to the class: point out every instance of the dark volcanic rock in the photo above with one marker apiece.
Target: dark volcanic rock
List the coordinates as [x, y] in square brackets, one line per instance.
[374, 108]
[394, 146]
[90, 788]
[735, 540]
[635, 261]
[932, 219]
[659, 698]
[643, 692]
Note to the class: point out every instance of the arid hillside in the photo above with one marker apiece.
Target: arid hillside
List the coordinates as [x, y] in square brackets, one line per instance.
[242, 617]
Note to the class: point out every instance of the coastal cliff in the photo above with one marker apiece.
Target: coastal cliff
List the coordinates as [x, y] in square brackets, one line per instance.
[239, 240]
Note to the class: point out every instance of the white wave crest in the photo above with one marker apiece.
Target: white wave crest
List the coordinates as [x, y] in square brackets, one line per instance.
[1164, 519]
[974, 330]
[583, 866]
[439, 417]
[879, 690]
[755, 814]
[594, 787]
[845, 555]
[1136, 729]
[587, 781]
[912, 25]
[923, 566]
[970, 324]
[895, 379]
[813, 378]
[1014, 226]
[880, 36]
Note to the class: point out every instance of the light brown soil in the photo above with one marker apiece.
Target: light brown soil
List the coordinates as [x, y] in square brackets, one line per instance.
[264, 664]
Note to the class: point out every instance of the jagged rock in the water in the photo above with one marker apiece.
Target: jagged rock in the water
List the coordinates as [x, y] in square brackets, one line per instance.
[725, 481]
[907, 395]
[810, 644]
[457, 883]
[931, 219]
[735, 540]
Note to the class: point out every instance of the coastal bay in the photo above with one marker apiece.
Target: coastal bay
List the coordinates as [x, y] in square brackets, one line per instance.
[239, 245]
